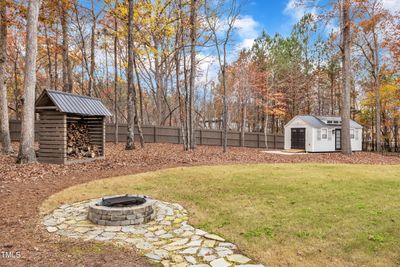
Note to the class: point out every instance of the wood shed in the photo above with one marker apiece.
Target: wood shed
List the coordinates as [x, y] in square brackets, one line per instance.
[71, 127]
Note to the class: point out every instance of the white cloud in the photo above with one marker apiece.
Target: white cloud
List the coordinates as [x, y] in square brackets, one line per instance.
[248, 29]
[207, 67]
[296, 11]
[247, 26]
[246, 43]
[392, 5]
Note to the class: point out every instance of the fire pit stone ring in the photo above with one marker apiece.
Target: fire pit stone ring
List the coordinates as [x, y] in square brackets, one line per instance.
[121, 210]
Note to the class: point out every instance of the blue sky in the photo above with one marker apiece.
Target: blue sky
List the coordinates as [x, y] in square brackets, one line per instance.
[270, 14]
[277, 16]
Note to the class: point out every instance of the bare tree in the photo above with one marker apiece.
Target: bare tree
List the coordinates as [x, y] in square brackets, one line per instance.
[138, 117]
[346, 69]
[177, 57]
[4, 123]
[26, 150]
[221, 44]
[193, 41]
[116, 76]
[92, 50]
[373, 20]
[66, 67]
[130, 142]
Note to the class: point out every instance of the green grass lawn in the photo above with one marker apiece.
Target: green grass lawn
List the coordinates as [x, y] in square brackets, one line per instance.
[279, 214]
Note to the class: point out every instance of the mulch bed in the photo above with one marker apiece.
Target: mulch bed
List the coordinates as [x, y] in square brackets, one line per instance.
[24, 187]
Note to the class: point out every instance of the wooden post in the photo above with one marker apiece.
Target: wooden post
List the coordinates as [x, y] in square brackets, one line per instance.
[274, 141]
[258, 140]
[155, 134]
[179, 135]
[201, 137]
[104, 137]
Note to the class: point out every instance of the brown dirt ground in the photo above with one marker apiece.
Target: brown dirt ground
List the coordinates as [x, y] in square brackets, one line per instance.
[24, 187]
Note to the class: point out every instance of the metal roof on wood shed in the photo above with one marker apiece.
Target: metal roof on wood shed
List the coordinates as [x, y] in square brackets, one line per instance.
[76, 104]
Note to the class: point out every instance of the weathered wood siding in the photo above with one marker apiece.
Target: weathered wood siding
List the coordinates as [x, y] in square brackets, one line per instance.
[52, 137]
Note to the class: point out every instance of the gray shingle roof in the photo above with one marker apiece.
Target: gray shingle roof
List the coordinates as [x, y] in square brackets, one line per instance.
[312, 121]
[317, 121]
[76, 104]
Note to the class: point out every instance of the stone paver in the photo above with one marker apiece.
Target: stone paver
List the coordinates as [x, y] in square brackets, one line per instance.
[221, 262]
[168, 239]
[237, 258]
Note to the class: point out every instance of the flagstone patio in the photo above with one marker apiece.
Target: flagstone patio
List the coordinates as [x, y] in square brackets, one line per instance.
[168, 239]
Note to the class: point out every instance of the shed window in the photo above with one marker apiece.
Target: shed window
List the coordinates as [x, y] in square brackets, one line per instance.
[352, 133]
[324, 133]
[357, 132]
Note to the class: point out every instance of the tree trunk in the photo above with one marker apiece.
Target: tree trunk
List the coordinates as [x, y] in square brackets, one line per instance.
[116, 78]
[178, 44]
[130, 143]
[186, 132]
[346, 65]
[139, 126]
[140, 91]
[67, 71]
[396, 134]
[56, 62]
[26, 150]
[225, 108]
[138, 119]
[157, 73]
[243, 129]
[4, 119]
[377, 95]
[49, 58]
[193, 38]
[17, 99]
[92, 56]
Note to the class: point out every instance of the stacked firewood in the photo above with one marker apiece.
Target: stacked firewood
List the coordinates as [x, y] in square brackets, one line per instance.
[78, 142]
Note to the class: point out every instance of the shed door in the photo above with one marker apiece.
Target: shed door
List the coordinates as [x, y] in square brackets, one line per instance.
[298, 139]
[338, 139]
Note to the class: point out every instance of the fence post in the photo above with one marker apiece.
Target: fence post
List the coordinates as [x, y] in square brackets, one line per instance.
[201, 137]
[258, 140]
[274, 141]
[155, 134]
[179, 135]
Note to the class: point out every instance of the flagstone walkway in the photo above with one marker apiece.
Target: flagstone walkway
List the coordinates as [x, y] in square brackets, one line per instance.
[168, 239]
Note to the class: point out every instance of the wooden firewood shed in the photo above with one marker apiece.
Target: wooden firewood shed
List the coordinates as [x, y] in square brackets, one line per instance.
[71, 127]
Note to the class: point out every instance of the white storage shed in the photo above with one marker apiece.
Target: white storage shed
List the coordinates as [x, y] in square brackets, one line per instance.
[319, 134]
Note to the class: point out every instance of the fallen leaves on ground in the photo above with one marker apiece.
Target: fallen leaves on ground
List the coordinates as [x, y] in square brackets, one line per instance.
[24, 187]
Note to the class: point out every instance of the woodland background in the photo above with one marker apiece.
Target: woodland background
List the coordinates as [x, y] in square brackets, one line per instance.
[85, 47]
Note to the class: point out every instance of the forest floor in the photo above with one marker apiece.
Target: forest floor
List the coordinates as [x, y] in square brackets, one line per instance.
[24, 187]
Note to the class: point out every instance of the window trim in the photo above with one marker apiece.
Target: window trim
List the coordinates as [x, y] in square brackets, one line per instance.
[322, 134]
[352, 133]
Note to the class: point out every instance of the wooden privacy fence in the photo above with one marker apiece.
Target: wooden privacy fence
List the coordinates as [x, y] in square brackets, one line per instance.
[162, 134]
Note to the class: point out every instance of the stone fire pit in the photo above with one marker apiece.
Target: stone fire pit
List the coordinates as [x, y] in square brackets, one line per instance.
[122, 210]
[168, 239]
